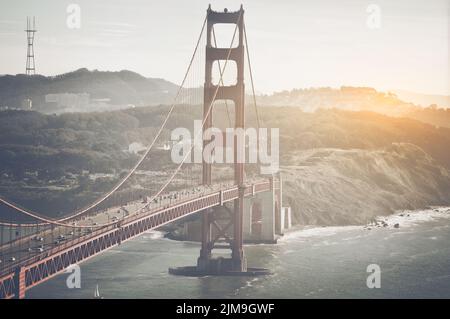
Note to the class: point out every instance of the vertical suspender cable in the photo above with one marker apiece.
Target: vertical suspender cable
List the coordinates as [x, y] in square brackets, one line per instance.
[98, 201]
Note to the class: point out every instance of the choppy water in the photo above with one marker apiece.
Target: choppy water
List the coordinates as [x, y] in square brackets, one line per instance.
[324, 262]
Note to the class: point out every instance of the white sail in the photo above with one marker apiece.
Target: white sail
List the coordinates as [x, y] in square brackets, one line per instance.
[96, 292]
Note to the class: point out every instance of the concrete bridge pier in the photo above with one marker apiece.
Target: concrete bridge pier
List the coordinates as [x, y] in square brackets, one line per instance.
[259, 219]
[263, 219]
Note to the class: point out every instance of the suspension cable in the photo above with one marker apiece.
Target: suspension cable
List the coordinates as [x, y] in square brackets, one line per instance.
[203, 122]
[100, 200]
[251, 79]
[53, 222]
[258, 120]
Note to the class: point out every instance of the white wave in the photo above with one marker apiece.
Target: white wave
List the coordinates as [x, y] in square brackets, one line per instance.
[154, 234]
[404, 218]
[250, 282]
[314, 231]
[326, 243]
[407, 218]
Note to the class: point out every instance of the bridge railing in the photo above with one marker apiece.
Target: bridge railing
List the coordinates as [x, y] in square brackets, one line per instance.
[229, 193]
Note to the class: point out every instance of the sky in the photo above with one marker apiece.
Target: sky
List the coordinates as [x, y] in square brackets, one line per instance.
[385, 44]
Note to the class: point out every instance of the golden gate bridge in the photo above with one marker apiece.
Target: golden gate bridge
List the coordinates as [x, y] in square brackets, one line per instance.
[43, 247]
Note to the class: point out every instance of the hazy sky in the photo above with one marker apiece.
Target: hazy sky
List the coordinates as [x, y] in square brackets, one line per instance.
[293, 43]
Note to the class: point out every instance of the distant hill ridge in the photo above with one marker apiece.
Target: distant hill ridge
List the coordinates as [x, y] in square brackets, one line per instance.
[122, 87]
[353, 98]
[107, 90]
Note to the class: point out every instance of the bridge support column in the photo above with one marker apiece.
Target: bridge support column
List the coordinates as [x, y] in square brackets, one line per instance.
[260, 219]
[238, 257]
[19, 283]
[278, 205]
[237, 264]
[205, 252]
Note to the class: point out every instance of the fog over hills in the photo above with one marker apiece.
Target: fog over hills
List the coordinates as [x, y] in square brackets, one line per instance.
[86, 91]
[424, 99]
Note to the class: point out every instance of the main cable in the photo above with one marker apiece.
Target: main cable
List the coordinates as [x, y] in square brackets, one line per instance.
[58, 222]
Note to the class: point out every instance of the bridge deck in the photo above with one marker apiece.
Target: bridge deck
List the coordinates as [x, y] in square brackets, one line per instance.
[44, 266]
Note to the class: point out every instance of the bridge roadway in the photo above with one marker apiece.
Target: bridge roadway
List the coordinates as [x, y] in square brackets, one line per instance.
[16, 252]
[35, 266]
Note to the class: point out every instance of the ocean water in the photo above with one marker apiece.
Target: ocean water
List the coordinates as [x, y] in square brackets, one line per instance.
[312, 262]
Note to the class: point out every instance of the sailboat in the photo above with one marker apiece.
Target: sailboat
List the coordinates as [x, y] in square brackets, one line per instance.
[97, 293]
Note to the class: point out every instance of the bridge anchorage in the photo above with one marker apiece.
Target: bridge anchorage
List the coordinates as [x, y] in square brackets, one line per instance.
[213, 228]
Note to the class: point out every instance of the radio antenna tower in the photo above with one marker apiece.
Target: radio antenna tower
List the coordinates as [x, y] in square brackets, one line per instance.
[31, 29]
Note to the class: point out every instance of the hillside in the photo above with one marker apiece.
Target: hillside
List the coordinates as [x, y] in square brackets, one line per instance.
[340, 167]
[115, 89]
[351, 187]
[355, 130]
[344, 98]
[364, 99]
[89, 91]
[424, 99]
